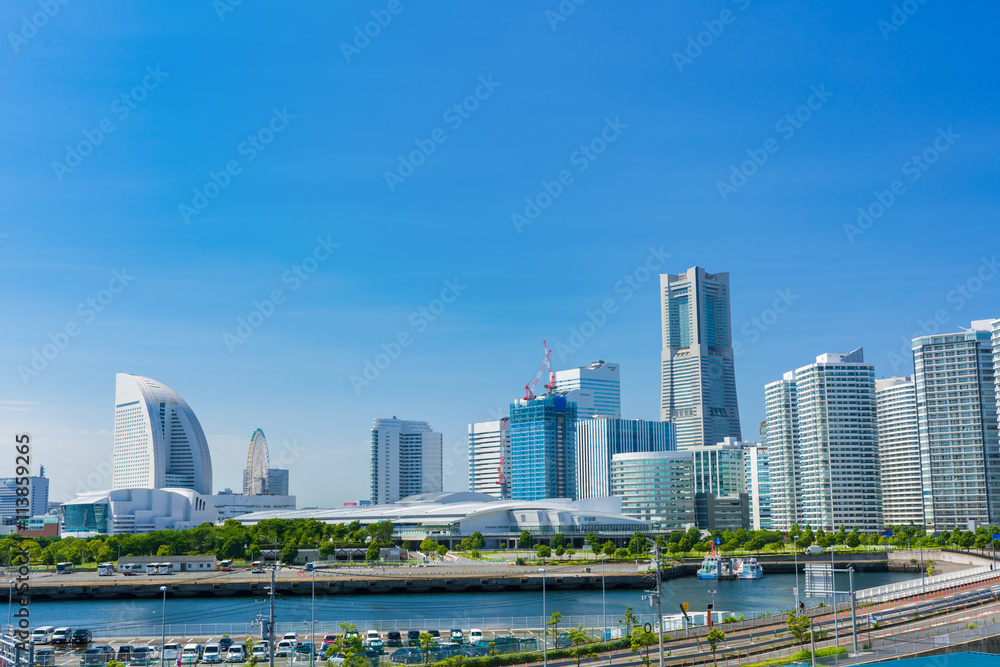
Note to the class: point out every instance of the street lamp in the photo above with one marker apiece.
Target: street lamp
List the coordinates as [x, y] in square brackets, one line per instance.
[312, 648]
[545, 630]
[163, 623]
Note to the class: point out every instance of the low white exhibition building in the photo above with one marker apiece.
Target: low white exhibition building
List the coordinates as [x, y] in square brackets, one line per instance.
[448, 517]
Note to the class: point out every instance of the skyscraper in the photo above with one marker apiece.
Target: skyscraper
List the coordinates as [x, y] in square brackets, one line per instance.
[899, 451]
[757, 470]
[957, 421]
[698, 383]
[277, 482]
[838, 451]
[543, 448]
[599, 439]
[489, 457]
[656, 486]
[782, 440]
[406, 459]
[158, 441]
[596, 389]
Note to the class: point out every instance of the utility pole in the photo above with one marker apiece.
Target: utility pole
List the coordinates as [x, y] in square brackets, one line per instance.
[270, 623]
[659, 602]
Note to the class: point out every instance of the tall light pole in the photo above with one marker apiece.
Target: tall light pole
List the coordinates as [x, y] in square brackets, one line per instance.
[163, 623]
[545, 628]
[312, 648]
[604, 604]
[795, 550]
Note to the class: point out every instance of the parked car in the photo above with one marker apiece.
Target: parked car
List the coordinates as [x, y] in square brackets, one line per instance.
[291, 637]
[171, 651]
[260, 652]
[236, 653]
[457, 636]
[412, 638]
[42, 635]
[44, 657]
[283, 649]
[226, 642]
[212, 655]
[436, 634]
[144, 656]
[329, 638]
[407, 656]
[82, 636]
[394, 639]
[304, 649]
[475, 635]
[376, 646]
[62, 635]
[563, 640]
[191, 653]
[97, 655]
[372, 635]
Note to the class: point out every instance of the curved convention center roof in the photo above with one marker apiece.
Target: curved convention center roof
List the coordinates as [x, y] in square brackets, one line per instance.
[467, 512]
[158, 440]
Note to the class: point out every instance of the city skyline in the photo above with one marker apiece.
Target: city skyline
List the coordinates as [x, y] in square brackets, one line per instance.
[301, 238]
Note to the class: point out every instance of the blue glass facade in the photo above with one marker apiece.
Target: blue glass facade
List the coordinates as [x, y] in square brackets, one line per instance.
[543, 448]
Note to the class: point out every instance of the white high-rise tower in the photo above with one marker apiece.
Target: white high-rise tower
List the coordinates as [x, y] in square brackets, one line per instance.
[405, 459]
[899, 452]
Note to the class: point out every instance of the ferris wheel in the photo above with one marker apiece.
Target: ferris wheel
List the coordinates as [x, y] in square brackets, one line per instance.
[258, 463]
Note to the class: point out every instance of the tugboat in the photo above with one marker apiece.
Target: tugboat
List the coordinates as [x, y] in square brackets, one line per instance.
[749, 568]
[710, 566]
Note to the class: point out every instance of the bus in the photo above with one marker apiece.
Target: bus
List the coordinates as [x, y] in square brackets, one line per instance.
[256, 567]
[164, 568]
[151, 569]
[106, 570]
[225, 566]
[64, 568]
[131, 569]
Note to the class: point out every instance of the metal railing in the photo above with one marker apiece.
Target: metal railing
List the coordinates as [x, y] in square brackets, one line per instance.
[926, 584]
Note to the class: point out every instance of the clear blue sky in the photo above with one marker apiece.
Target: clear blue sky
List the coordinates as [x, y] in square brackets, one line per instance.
[329, 121]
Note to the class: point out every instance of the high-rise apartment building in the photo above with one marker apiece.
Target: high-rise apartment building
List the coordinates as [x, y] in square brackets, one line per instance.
[698, 383]
[158, 440]
[277, 481]
[899, 452]
[757, 472]
[543, 448]
[596, 389]
[598, 440]
[406, 459]
[656, 486]
[489, 458]
[782, 440]
[838, 451]
[957, 421]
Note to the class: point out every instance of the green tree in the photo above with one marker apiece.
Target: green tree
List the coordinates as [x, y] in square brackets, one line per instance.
[629, 620]
[798, 627]
[381, 532]
[640, 639]
[349, 647]
[714, 638]
[544, 551]
[373, 552]
[525, 541]
[559, 540]
[560, 552]
[478, 541]
[621, 553]
[853, 539]
[289, 552]
[428, 546]
[442, 550]
[426, 645]
[609, 548]
[165, 550]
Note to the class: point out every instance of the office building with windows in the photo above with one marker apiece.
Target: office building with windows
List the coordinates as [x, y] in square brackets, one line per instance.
[656, 487]
[489, 458]
[596, 389]
[698, 383]
[781, 436]
[543, 448]
[599, 439]
[756, 471]
[277, 481]
[406, 459]
[158, 441]
[899, 452]
[956, 397]
[721, 501]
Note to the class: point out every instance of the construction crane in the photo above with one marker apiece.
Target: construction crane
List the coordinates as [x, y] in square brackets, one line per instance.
[529, 389]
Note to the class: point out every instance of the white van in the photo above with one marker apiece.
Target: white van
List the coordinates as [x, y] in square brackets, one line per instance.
[42, 635]
[212, 653]
[62, 635]
[372, 636]
[815, 549]
[475, 635]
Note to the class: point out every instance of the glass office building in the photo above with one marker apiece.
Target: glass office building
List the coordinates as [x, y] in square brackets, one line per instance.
[543, 448]
[657, 487]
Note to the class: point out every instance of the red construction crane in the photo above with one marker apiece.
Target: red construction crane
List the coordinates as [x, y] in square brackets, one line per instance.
[529, 388]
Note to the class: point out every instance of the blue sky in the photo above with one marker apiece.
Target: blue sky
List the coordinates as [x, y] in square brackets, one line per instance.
[230, 158]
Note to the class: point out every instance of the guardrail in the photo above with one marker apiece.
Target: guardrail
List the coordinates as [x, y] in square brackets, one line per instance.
[926, 584]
